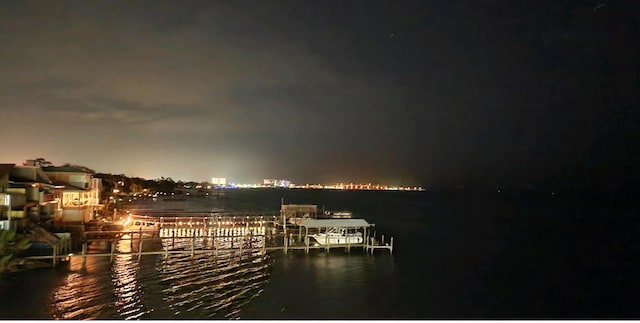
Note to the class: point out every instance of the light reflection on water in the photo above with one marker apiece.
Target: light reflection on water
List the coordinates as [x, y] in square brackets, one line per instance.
[206, 286]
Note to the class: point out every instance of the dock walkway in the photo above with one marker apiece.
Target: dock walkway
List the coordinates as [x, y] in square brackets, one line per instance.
[208, 235]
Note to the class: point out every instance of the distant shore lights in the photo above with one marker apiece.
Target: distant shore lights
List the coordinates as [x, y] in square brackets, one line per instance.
[219, 181]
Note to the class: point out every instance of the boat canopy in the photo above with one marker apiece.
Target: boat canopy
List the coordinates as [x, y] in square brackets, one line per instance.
[338, 223]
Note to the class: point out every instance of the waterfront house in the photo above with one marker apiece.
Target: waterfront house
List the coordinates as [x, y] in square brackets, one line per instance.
[5, 197]
[77, 192]
[33, 193]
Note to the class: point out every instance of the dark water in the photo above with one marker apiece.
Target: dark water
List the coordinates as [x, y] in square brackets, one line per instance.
[456, 256]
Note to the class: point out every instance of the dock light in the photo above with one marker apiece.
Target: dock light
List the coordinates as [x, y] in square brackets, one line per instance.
[69, 255]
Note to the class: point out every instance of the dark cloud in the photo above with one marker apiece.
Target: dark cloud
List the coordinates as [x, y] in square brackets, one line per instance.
[316, 91]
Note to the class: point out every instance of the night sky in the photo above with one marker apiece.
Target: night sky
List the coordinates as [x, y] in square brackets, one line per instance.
[435, 93]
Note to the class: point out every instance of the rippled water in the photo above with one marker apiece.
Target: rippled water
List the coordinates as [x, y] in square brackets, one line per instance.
[180, 287]
[455, 256]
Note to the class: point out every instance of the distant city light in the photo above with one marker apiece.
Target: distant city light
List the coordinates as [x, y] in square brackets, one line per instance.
[219, 181]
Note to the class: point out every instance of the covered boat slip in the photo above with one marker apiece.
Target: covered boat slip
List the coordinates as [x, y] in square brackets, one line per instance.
[340, 233]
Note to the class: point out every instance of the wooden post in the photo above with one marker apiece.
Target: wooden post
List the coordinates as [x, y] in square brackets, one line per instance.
[264, 245]
[306, 241]
[391, 249]
[285, 244]
[372, 246]
[55, 254]
[382, 240]
[193, 244]
[84, 252]
[326, 239]
[364, 237]
[213, 237]
[140, 249]
[113, 248]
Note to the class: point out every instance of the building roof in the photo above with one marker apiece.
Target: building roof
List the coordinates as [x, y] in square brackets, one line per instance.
[68, 169]
[20, 179]
[39, 175]
[339, 223]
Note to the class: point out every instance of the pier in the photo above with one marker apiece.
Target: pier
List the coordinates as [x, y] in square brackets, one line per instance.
[192, 235]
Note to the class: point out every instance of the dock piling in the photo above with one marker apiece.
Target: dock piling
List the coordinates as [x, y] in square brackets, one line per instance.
[193, 245]
[55, 254]
[140, 249]
[84, 253]
[113, 248]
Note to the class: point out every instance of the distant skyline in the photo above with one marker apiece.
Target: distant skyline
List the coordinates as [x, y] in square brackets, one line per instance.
[432, 93]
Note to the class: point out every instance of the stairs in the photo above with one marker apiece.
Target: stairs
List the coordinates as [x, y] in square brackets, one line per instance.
[40, 234]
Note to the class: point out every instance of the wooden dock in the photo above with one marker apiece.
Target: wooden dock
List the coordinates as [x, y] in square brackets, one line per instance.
[209, 235]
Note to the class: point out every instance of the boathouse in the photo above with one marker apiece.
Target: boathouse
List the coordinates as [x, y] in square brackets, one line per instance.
[294, 213]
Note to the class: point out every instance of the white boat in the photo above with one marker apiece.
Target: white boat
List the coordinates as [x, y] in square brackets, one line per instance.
[337, 215]
[337, 236]
[148, 227]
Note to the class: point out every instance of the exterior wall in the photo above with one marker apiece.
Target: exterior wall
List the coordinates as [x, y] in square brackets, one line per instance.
[5, 205]
[4, 182]
[25, 172]
[72, 206]
[18, 197]
[33, 194]
[95, 187]
[76, 207]
[76, 214]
